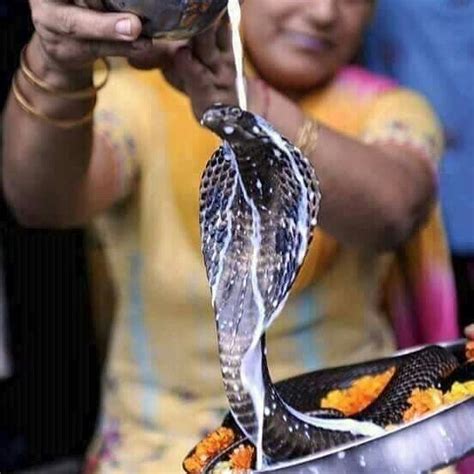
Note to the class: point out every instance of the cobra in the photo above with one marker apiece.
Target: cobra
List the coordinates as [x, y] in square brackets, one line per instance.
[259, 202]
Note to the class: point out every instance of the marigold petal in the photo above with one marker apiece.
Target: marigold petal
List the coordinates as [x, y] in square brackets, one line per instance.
[208, 448]
[242, 457]
[362, 392]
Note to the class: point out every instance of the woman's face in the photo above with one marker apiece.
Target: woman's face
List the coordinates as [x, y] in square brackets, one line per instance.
[299, 44]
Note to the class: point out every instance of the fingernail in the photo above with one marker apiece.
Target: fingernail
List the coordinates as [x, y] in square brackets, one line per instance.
[124, 27]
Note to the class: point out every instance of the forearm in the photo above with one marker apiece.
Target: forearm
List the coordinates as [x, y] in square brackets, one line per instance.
[371, 196]
[44, 166]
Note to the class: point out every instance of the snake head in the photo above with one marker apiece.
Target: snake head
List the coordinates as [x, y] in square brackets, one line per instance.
[231, 123]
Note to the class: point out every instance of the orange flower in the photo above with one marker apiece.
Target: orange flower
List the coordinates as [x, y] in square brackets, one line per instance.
[242, 457]
[423, 401]
[193, 465]
[208, 448]
[426, 401]
[359, 395]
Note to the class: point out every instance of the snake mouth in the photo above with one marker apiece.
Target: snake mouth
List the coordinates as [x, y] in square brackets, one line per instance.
[226, 122]
[219, 114]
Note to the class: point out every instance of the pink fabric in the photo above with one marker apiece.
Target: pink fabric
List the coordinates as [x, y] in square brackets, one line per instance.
[466, 466]
[436, 307]
[364, 82]
[427, 313]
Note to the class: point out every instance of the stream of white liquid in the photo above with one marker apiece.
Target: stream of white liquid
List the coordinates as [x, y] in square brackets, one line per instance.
[235, 16]
[251, 372]
[251, 364]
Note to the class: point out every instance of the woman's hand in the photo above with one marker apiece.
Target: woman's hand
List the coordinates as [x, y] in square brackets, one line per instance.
[205, 70]
[73, 37]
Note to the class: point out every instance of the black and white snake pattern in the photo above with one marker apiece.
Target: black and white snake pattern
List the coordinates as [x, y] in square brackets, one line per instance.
[259, 202]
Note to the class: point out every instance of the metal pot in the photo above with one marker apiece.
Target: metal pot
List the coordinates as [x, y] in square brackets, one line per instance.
[171, 19]
[429, 443]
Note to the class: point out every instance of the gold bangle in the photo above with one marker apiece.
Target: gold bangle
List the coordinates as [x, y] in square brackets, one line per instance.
[60, 123]
[87, 93]
[308, 136]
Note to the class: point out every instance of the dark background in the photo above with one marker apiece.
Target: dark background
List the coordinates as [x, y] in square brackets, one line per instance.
[48, 407]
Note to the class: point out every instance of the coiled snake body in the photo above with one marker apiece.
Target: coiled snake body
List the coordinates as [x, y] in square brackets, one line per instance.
[258, 208]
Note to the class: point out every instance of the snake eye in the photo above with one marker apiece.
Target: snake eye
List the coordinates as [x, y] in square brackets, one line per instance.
[235, 111]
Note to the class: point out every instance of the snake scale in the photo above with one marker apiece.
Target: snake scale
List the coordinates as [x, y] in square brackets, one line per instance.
[259, 202]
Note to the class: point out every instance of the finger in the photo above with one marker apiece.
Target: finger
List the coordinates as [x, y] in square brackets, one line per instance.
[224, 36]
[82, 23]
[183, 61]
[69, 53]
[156, 56]
[226, 78]
[174, 79]
[205, 50]
[199, 84]
[469, 331]
[194, 75]
[94, 4]
[171, 44]
[199, 81]
[101, 49]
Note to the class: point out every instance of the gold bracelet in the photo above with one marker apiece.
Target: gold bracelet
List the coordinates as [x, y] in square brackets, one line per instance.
[87, 93]
[60, 123]
[308, 136]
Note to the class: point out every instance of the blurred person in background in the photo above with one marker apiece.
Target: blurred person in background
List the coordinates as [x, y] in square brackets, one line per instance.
[428, 45]
[49, 369]
[132, 164]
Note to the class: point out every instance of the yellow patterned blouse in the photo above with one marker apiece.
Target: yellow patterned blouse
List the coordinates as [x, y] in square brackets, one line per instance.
[162, 389]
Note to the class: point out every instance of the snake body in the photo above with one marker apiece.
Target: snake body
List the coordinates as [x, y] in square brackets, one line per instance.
[258, 208]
